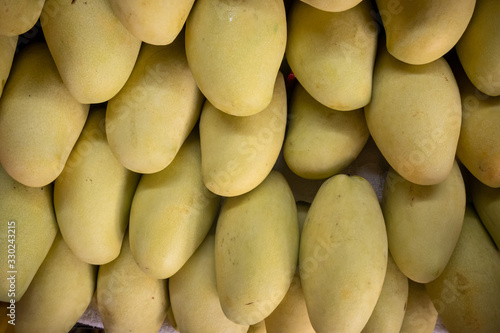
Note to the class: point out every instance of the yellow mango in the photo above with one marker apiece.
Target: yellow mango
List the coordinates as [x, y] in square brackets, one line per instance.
[423, 223]
[28, 229]
[332, 5]
[121, 287]
[234, 49]
[7, 49]
[59, 293]
[93, 51]
[193, 294]
[343, 255]
[239, 152]
[421, 315]
[156, 22]
[256, 250]
[414, 117]
[419, 32]
[171, 213]
[320, 141]
[19, 16]
[40, 120]
[466, 293]
[479, 47]
[260, 327]
[388, 314]
[152, 115]
[486, 201]
[92, 196]
[479, 142]
[332, 54]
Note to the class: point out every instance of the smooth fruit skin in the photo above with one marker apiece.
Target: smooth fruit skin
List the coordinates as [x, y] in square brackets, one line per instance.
[121, 287]
[343, 255]
[332, 5]
[423, 222]
[479, 47]
[419, 32]
[193, 294]
[466, 293]
[40, 121]
[332, 54]
[414, 117]
[234, 49]
[59, 294]
[29, 212]
[320, 141]
[171, 213]
[7, 50]
[93, 51]
[486, 201]
[421, 315]
[256, 250]
[149, 119]
[92, 196]
[17, 17]
[156, 22]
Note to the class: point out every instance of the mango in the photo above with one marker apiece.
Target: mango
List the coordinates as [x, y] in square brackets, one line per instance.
[343, 255]
[479, 47]
[423, 223]
[93, 194]
[419, 32]
[332, 5]
[93, 51]
[421, 315]
[235, 49]
[414, 117]
[193, 294]
[239, 152]
[486, 201]
[171, 213]
[332, 54]
[17, 17]
[59, 293]
[320, 141]
[260, 327]
[256, 250]
[154, 22]
[466, 293]
[36, 98]
[28, 229]
[389, 312]
[152, 115]
[121, 286]
[7, 49]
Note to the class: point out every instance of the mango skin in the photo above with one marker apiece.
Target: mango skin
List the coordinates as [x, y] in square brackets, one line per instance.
[36, 98]
[421, 315]
[32, 210]
[155, 22]
[152, 115]
[479, 47]
[466, 293]
[121, 285]
[93, 194]
[411, 27]
[239, 152]
[235, 49]
[388, 314]
[17, 17]
[256, 250]
[93, 51]
[194, 297]
[423, 223]
[171, 213]
[332, 5]
[260, 327]
[320, 141]
[59, 293]
[486, 201]
[343, 255]
[336, 68]
[414, 117]
[7, 50]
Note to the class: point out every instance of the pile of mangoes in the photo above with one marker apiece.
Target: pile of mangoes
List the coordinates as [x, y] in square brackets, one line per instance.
[139, 143]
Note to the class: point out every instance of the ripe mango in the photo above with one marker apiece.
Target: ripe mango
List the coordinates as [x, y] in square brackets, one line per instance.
[486, 201]
[332, 5]
[7, 49]
[343, 255]
[17, 17]
[421, 315]
[234, 49]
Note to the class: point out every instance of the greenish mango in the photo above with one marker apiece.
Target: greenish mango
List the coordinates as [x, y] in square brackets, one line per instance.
[17, 17]
[421, 315]
[332, 5]
[7, 50]
[486, 201]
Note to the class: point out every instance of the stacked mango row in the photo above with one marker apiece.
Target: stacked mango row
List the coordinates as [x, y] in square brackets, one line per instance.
[139, 143]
